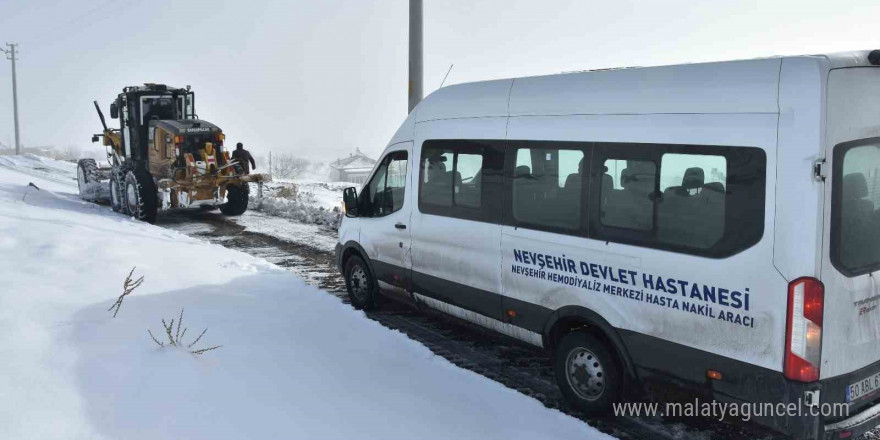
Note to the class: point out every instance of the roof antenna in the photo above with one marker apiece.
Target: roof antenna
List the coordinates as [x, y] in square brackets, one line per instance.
[447, 75]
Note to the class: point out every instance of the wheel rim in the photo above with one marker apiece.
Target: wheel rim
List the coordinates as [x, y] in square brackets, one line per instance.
[359, 283]
[585, 374]
[131, 193]
[80, 178]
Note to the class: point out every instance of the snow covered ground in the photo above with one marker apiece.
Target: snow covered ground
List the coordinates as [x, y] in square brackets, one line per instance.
[287, 229]
[47, 169]
[294, 362]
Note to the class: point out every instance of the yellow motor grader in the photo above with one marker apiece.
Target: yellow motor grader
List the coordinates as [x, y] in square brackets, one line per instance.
[163, 156]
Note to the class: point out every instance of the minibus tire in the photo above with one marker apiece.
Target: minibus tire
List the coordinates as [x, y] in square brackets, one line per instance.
[580, 355]
[360, 284]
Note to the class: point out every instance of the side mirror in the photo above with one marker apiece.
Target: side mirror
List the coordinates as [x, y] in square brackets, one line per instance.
[114, 111]
[349, 200]
[94, 138]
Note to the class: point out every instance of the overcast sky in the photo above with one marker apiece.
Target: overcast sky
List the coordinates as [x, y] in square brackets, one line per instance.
[322, 77]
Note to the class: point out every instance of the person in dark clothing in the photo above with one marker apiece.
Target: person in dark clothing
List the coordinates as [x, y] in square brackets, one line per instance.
[244, 158]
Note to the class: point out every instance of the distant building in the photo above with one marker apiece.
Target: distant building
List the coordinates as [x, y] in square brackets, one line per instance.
[355, 168]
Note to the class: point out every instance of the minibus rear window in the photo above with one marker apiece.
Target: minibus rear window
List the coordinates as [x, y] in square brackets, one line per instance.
[855, 247]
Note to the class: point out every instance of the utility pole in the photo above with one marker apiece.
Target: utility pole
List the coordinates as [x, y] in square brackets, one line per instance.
[415, 53]
[10, 55]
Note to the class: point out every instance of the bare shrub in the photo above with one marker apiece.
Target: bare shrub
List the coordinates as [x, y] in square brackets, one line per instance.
[128, 286]
[175, 336]
[288, 166]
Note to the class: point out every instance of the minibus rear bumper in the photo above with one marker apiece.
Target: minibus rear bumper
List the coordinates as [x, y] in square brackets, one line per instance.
[832, 418]
[854, 426]
[864, 413]
[776, 402]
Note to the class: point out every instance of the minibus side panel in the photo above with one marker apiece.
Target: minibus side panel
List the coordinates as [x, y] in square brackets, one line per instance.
[456, 260]
[798, 225]
[610, 278]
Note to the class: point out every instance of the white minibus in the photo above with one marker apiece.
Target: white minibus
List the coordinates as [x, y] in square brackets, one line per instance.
[713, 227]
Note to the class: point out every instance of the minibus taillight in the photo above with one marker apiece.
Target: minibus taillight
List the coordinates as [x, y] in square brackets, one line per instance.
[803, 331]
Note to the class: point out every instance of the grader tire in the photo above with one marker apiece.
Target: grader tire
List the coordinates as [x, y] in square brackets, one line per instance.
[236, 199]
[140, 195]
[117, 188]
[86, 174]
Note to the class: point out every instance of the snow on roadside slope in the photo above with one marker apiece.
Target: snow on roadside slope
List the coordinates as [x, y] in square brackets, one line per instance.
[295, 362]
[57, 171]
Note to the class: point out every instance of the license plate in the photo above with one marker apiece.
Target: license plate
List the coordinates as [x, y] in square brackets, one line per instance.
[863, 388]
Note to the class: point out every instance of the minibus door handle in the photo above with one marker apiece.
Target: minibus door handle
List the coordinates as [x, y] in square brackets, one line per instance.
[400, 226]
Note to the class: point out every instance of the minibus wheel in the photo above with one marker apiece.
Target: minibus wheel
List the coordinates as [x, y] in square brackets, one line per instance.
[359, 283]
[586, 372]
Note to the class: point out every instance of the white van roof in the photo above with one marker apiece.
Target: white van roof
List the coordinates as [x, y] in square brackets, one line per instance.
[745, 86]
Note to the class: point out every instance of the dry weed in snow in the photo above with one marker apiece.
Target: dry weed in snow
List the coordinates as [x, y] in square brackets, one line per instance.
[128, 286]
[175, 336]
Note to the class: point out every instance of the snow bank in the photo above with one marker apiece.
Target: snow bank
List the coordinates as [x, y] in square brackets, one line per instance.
[315, 203]
[295, 362]
[48, 169]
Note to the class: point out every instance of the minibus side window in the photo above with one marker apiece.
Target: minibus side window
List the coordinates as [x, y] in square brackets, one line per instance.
[462, 178]
[437, 176]
[385, 192]
[547, 187]
[626, 188]
[689, 204]
[451, 178]
[395, 186]
[697, 199]
[690, 211]
[468, 180]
